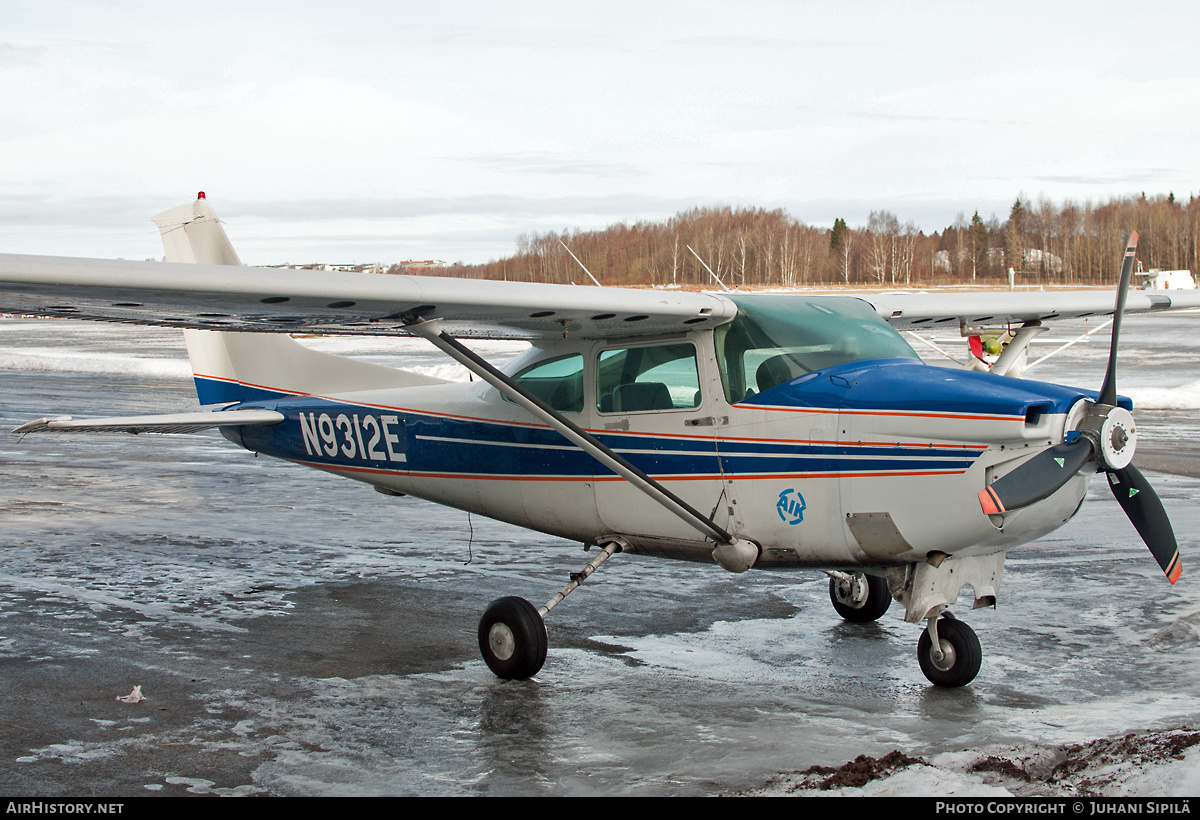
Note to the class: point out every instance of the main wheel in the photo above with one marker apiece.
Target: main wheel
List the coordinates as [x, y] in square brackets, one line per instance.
[512, 638]
[863, 599]
[962, 654]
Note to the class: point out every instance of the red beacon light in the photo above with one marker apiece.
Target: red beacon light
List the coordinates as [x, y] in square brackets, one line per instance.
[200, 195]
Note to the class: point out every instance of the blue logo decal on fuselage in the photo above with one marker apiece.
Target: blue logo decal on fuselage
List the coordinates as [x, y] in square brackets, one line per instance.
[791, 509]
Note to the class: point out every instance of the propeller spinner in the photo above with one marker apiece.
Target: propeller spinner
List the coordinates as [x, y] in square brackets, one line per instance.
[1106, 436]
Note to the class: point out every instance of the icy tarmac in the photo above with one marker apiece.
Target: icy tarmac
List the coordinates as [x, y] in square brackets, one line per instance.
[298, 634]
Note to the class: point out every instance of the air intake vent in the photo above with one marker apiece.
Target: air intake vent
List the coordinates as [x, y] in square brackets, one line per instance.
[1035, 414]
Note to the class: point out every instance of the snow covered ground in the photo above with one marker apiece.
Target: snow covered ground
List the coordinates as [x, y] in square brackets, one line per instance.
[1159, 763]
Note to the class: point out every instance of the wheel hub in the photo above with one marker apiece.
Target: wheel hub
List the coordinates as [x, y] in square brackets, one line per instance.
[948, 656]
[852, 591]
[502, 642]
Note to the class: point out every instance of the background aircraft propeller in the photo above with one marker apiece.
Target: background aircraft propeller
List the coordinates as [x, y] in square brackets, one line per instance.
[1107, 436]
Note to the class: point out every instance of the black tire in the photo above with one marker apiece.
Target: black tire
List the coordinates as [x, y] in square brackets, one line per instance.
[512, 638]
[872, 609]
[956, 637]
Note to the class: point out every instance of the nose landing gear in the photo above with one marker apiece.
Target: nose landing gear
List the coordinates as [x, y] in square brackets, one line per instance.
[957, 657]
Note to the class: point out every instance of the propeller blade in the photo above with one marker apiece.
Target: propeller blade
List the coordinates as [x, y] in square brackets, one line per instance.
[1108, 391]
[1145, 510]
[1051, 469]
[1038, 478]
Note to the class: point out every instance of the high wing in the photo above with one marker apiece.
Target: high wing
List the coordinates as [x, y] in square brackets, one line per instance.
[223, 297]
[229, 298]
[913, 311]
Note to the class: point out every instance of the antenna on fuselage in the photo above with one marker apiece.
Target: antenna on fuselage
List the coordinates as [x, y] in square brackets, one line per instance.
[576, 258]
[707, 268]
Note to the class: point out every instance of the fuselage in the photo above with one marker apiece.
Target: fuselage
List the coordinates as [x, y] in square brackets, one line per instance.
[822, 459]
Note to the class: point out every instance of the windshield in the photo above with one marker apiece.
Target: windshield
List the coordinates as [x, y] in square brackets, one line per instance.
[778, 337]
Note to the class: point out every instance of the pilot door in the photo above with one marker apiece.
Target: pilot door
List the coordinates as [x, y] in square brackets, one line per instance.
[653, 406]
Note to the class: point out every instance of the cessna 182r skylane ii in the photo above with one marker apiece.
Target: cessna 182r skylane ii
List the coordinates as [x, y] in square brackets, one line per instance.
[765, 431]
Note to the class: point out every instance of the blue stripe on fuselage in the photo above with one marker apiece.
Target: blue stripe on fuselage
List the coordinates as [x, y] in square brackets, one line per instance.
[321, 431]
[222, 391]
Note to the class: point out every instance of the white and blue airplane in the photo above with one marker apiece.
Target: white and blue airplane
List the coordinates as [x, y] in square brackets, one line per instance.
[776, 432]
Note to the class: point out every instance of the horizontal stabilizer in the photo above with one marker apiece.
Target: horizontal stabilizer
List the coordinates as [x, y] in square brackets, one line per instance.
[164, 423]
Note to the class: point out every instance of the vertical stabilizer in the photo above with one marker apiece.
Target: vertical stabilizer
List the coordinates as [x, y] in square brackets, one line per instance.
[192, 233]
[232, 367]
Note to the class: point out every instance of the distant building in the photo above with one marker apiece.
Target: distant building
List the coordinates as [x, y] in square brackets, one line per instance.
[423, 263]
[1035, 258]
[418, 266]
[410, 266]
[373, 267]
[1031, 259]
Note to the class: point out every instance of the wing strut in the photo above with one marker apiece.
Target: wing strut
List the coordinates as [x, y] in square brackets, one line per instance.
[430, 330]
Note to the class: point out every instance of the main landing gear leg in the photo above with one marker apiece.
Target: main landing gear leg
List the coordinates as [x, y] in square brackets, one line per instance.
[512, 633]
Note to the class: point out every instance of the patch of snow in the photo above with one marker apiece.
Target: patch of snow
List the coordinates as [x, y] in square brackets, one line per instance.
[1161, 763]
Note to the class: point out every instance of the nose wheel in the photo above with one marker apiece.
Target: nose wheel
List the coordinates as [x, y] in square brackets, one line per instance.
[958, 657]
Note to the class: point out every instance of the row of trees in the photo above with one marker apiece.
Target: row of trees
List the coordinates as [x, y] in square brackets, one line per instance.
[1044, 242]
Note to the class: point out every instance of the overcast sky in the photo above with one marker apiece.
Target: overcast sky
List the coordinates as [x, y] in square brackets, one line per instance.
[360, 131]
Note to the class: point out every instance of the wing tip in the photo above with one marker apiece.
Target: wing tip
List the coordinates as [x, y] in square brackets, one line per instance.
[38, 425]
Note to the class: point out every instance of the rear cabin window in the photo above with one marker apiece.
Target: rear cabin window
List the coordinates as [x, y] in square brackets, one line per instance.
[637, 379]
[557, 382]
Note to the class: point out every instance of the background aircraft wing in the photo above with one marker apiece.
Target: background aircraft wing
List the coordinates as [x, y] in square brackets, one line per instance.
[235, 298]
[912, 311]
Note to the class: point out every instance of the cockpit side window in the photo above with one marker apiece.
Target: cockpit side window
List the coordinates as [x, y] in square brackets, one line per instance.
[637, 379]
[558, 382]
